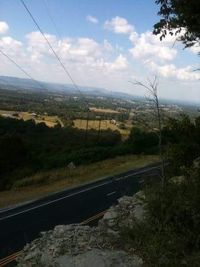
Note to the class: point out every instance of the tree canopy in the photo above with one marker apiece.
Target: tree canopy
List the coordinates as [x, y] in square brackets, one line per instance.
[179, 16]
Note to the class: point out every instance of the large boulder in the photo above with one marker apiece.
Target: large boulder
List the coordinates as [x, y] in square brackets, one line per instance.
[99, 258]
[124, 214]
[78, 245]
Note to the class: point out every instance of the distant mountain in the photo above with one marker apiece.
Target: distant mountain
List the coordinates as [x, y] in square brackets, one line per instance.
[14, 83]
[21, 83]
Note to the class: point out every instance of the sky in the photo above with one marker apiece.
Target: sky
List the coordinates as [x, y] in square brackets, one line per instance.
[107, 44]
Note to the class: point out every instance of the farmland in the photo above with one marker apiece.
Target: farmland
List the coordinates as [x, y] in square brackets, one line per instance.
[103, 125]
[39, 134]
[50, 121]
[104, 110]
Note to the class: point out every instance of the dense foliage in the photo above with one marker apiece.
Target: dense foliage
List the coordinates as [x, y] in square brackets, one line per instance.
[66, 106]
[27, 147]
[182, 141]
[143, 141]
[177, 15]
[170, 233]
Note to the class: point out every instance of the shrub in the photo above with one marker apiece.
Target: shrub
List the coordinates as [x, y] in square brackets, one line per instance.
[170, 233]
[142, 141]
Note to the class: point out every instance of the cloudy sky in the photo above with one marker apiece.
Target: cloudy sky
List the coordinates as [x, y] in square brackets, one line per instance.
[103, 43]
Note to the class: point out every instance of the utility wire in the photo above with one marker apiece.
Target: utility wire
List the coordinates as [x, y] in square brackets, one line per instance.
[20, 68]
[51, 18]
[58, 32]
[54, 52]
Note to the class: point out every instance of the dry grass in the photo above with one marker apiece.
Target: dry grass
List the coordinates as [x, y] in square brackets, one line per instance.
[105, 124]
[104, 110]
[60, 179]
[50, 121]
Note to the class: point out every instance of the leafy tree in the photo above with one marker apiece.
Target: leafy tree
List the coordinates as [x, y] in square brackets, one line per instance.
[142, 141]
[181, 140]
[179, 15]
[29, 147]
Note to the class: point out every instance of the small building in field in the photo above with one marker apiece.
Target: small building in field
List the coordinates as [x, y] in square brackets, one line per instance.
[33, 114]
[113, 122]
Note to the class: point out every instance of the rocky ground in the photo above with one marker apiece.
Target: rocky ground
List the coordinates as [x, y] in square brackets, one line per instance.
[85, 246]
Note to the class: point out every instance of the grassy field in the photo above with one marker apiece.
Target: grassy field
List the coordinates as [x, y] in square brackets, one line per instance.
[105, 124]
[50, 121]
[104, 110]
[44, 183]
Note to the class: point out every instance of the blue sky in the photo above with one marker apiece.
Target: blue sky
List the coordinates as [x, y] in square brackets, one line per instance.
[103, 43]
[69, 15]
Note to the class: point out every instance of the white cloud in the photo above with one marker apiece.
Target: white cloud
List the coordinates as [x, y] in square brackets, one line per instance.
[85, 47]
[107, 45]
[11, 46]
[120, 63]
[154, 54]
[85, 59]
[147, 45]
[92, 19]
[95, 63]
[118, 25]
[37, 44]
[133, 36]
[3, 27]
[8, 41]
[81, 50]
[195, 48]
[171, 71]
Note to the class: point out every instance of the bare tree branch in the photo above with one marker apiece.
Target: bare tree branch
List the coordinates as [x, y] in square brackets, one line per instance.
[152, 88]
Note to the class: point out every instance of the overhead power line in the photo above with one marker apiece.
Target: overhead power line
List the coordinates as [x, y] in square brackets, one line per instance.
[20, 68]
[52, 49]
[51, 18]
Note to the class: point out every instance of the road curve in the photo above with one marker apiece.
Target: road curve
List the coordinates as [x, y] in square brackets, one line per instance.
[22, 224]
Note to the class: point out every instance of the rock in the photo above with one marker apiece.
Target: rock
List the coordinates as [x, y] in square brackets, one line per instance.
[99, 258]
[196, 163]
[128, 210]
[78, 245]
[110, 215]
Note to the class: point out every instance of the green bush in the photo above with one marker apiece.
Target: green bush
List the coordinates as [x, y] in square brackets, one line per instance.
[36, 147]
[170, 233]
[142, 141]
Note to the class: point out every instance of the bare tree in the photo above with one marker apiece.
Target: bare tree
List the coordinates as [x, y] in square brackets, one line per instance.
[152, 89]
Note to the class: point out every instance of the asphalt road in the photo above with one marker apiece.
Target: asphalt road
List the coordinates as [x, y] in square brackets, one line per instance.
[23, 223]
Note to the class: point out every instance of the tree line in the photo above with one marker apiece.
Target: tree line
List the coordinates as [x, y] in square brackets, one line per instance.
[27, 147]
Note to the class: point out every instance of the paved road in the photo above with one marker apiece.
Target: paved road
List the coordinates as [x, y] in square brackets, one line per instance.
[22, 224]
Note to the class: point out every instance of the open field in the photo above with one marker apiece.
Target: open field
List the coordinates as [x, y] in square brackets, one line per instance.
[60, 179]
[105, 124]
[50, 121]
[104, 110]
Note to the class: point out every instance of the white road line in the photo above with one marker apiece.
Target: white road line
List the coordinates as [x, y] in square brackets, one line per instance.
[142, 181]
[53, 201]
[73, 194]
[135, 173]
[109, 194]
